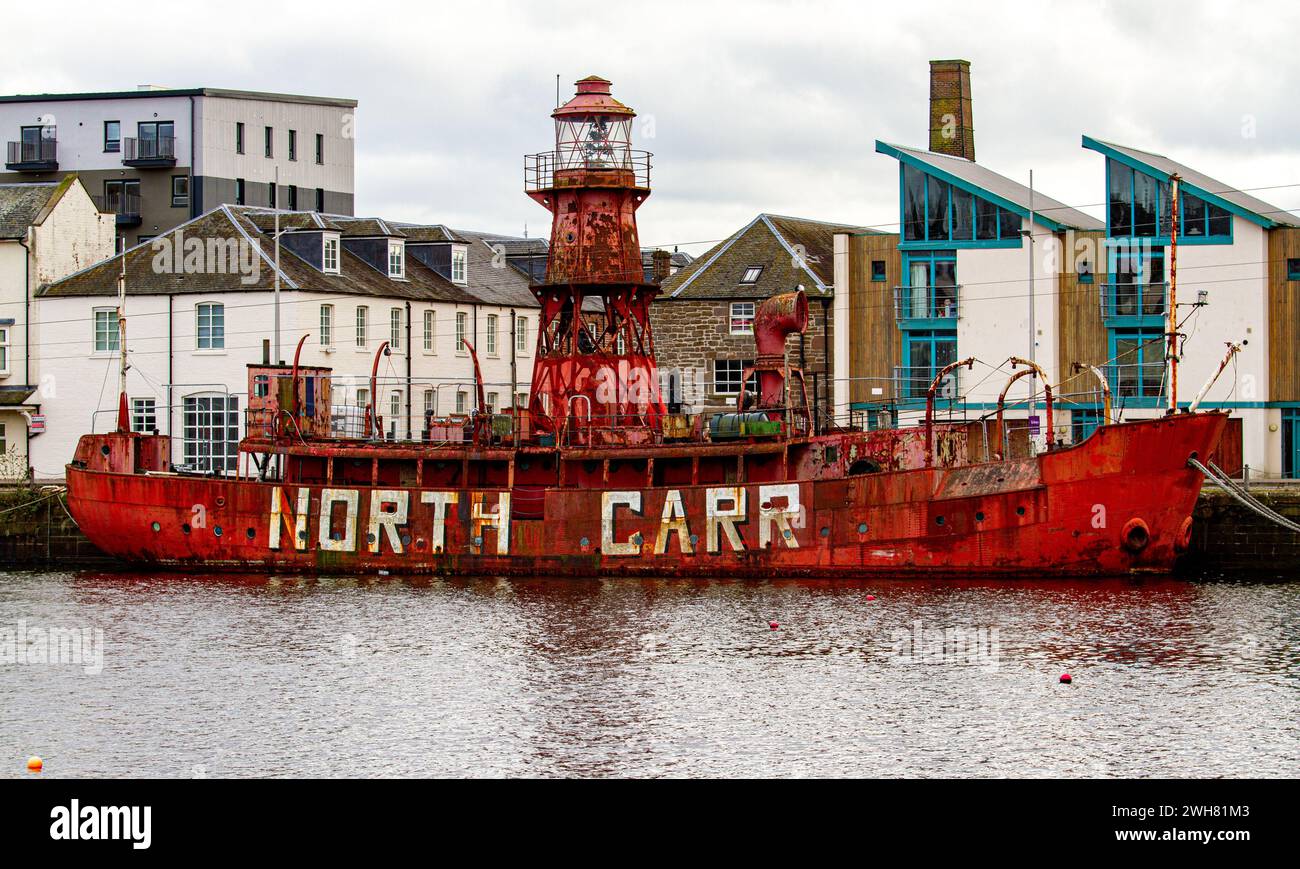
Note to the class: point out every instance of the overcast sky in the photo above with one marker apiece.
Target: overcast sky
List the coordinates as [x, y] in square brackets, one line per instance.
[748, 106]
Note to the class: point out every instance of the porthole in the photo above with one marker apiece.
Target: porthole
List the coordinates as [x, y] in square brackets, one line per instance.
[826, 531]
[862, 527]
[217, 530]
[185, 528]
[105, 450]
[1020, 511]
[979, 517]
[938, 520]
[156, 527]
[250, 533]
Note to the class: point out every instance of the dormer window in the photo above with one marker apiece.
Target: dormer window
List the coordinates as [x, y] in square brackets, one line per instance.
[751, 275]
[459, 256]
[396, 259]
[330, 255]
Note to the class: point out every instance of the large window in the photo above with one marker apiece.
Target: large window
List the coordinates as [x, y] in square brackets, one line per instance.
[327, 325]
[727, 374]
[211, 433]
[430, 331]
[1140, 206]
[937, 211]
[931, 291]
[490, 339]
[395, 328]
[106, 332]
[1139, 366]
[156, 139]
[144, 415]
[1137, 286]
[925, 354]
[363, 324]
[462, 326]
[112, 136]
[742, 318]
[211, 326]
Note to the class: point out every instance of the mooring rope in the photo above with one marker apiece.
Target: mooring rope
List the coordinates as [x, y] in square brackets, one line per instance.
[52, 492]
[1244, 498]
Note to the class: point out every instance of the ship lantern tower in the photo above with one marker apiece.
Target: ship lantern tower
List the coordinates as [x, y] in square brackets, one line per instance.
[594, 377]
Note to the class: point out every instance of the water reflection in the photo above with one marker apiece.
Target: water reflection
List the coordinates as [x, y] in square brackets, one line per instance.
[261, 675]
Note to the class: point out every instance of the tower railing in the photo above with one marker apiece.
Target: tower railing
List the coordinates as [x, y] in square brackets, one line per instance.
[540, 169]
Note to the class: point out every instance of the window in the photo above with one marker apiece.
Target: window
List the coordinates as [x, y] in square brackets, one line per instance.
[521, 334]
[925, 353]
[1082, 424]
[363, 397]
[144, 416]
[1293, 269]
[106, 332]
[330, 255]
[239, 191]
[270, 195]
[490, 339]
[1085, 272]
[327, 325]
[293, 145]
[462, 325]
[877, 270]
[293, 197]
[239, 137]
[462, 401]
[458, 258]
[742, 318]
[320, 149]
[320, 199]
[521, 400]
[934, 210]
[396, 260]
[4, 351]
[931, 286]
[1137, 287]
[156, 139]
[363, 321]
[4, 443]
[430, 331]
[122, 196]
[1139, 367]
[211, 433]
[395, 406]
[112, 136]
[491, 399]
[180, 191]
[211, 326]
[395, 328]
[430, 408]
[268, 137]
[727, 374]
[1140, 206]
[751, 275]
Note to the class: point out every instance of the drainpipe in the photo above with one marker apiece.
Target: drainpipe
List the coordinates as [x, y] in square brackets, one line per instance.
[410, 353]
[27, 312]
[194, 199]
[475, 327]
[171, 374]
[514, 377]
[826, 358]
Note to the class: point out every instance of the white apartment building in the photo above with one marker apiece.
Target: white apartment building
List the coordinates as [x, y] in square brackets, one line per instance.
[201, 307]
[157, 157]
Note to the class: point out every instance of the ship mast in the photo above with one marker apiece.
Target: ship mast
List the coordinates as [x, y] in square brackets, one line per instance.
[123, 412]
[1173, 295]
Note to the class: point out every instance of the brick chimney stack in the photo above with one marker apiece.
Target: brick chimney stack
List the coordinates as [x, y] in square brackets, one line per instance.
[952, 129]
[662, 267]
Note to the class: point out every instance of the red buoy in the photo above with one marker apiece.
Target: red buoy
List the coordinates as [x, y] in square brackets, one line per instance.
[871, 597]
[774, 625]
[1066, 679]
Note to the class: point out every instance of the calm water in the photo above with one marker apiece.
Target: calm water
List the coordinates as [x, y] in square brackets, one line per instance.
[259, 676]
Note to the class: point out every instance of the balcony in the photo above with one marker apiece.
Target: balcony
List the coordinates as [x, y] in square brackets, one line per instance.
[1134, 302]
[927, 303]
[152, 153]
[38, 156]
[615, 168]
[126, 205]
[914, 382]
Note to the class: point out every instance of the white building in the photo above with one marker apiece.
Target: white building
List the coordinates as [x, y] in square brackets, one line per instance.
[47, 231]
[157, 157]
[201, 308]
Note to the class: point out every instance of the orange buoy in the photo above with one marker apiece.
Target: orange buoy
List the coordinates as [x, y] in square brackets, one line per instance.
[35, 764]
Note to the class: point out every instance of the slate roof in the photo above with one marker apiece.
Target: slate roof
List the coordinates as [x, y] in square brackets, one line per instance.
[22, 204]
[1163, 166]
[494, 281]
[769, 241]
[356, 278]
[433, 233]
[996, 187]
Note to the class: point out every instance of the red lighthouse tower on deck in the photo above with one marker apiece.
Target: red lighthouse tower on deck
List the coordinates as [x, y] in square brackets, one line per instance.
[595, 379]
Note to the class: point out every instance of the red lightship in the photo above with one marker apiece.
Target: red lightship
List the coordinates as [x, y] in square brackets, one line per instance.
[595, 477]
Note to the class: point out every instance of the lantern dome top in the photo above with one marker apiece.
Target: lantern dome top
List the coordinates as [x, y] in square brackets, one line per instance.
[593, 98]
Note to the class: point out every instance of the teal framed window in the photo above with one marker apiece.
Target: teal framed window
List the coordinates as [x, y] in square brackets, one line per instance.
[1290, 442]
[1138, 369]
[1293, 269]
[929, 290]
[1083, 423]
[935, 211]
[1139, 205]
[925, 353]
[1137, 292]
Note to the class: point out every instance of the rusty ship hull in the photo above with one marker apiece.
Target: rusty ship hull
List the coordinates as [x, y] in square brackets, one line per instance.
[1119, 502]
